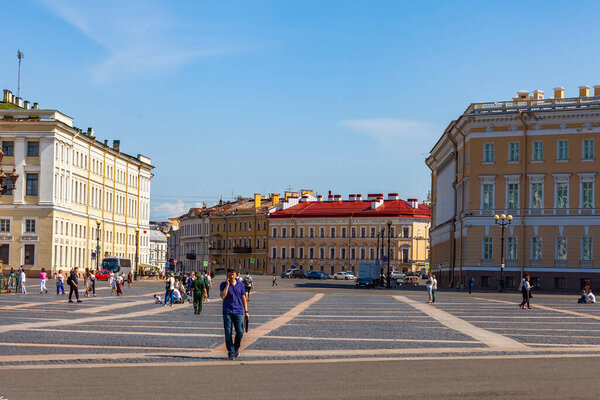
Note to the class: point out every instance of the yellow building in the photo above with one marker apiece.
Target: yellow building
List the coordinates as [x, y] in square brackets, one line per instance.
[72, 190]
[531, 158]
[334, 235]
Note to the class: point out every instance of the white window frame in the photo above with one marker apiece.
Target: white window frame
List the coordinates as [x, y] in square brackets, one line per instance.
[514, 149]
[533, 151]
[487, 180]
[588, 177]
[536, 239]
[583, 149]
[512, 180]
[561, 179]
[561, 239]
[591, 239]
[487, 241]
[559, 148]
[485, 153]
[35, 221]
[512, 241]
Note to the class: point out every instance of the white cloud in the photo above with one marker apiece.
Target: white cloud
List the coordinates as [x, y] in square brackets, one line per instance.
[395, 132]
[169, 210]
[140, 38]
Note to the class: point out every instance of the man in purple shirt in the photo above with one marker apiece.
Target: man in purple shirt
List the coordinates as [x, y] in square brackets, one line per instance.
[235, 309]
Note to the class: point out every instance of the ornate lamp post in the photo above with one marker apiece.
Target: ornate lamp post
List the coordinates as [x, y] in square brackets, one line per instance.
[503, 220]
[167, 252]
[98, 233]
[382, 232]
[137, 241]
[10, 184]
[389, 225]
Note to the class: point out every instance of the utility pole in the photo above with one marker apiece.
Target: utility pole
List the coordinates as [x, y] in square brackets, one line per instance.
[20, 56]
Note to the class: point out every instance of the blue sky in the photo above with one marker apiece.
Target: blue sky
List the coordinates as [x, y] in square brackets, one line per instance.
[255, 96]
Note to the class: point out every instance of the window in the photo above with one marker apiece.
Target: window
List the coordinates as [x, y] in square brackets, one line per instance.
[274, 252]
[311, 232]
[301, 232]
[405, 232]
[537, 195]
[300, 252]
[488, 153]
[311, 252]
[32, 185]
[512, 196]
[586, 248]
[29, 254]
[283, 252]
[30, 225]
[363, 232]
[321, 253]
[562, 195]
[331, 253]
[352, 253]
[4, 252]
[8, 148]
[487, 202]
[487, 248]
[511, 248]
[273, 232]
[343, 234]
[332, 232]
[33, 149]
[343, 253]
[292, 232]
[559, 283]
[372, 232]
[322, 233]
[538, 151]
[513, 152]
[561, 249]
[353, 232]
[292, 252]
[363, 253]
[486, 281]
[405, 251]
[536, 248]
[588, 149]
[4, 225]
[587, 194]
[562, 150]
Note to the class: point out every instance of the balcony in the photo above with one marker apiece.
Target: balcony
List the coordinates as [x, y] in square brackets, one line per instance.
[535, 263]
[215, 249]
[586, 264]
[560, 263]
[190, 256]
[242, 249]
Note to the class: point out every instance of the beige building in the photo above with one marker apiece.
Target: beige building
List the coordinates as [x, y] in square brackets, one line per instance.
[532, 158]
[334, 235]
[72, 189]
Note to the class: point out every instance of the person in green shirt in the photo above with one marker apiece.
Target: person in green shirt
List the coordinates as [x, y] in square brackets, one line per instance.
[199, 289]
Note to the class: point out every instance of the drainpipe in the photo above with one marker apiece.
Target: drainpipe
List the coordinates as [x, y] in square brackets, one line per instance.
[525, 193]
[464, 145]
[455, 144]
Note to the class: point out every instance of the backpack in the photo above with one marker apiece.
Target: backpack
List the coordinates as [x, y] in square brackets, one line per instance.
[247, 281]
[69, 280]
[206, 280]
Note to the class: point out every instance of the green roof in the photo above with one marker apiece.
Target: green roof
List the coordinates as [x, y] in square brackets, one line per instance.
[8, 106]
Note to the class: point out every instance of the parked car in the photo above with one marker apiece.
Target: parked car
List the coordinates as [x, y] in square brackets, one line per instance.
[317, 275]
[410, 281]
[298, 273]
[339, 275]
[287, 274]
[102, 275]
[398, 275]
[350, 275]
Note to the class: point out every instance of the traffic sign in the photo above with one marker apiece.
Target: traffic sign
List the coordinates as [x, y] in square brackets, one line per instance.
[93, 255]
[384, 259]
[205, 263]
[252, 260]
[426, 265]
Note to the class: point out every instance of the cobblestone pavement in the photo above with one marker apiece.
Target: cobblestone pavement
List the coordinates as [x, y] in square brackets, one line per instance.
[295, 322]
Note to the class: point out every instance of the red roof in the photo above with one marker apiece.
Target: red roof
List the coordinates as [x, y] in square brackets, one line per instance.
[336, 209]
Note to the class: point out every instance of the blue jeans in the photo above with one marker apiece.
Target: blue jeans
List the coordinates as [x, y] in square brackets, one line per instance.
[60, 287]
[237, 321]
[169, 296]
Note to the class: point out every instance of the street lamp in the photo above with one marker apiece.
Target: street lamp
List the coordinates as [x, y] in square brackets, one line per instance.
[503, 220]
[137, 238]
[167, 251]
[389, 224]
[10, 184]
[98, 233]
[382, 231]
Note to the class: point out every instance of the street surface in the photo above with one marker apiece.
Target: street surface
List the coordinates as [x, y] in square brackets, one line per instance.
[306, 339]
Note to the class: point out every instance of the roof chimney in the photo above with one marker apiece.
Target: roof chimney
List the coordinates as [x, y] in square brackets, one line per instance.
[19, 102]
[330, 196]
[351, 197]
[538, 94]
[596, 90]
[393, 196]
[376, 203]
[559, 92]
[117, 145]
[275, 198]
[90, 132]
[304, 198]
[414, 203]
[359, 197]
[6, 97]
[319, 198]
[35, 106]
[338, 197]
[26, 104]
[584, 91]
[523, 95]
[106, 142]
[374, 196]
[257, 198]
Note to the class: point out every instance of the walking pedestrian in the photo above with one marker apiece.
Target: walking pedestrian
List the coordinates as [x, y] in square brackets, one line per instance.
[525, 288]
[248, 284]
[199, 292]
[87, 282]
[208, 280]
[429, 286]
[119, 284]
[43, 280]
[274, 280]
[471, 284]
[169, 288]
[23, 280]
[93, 279]
[112, 281]
[60, 282]
[129, 279]
[433, 288]
[73, 286]
[235, 308]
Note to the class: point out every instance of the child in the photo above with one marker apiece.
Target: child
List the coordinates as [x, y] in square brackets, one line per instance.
[157, 299]
[43, 280]
[60, 282]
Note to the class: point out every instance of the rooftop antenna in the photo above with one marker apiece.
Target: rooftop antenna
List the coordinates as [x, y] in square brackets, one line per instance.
[20, 56]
